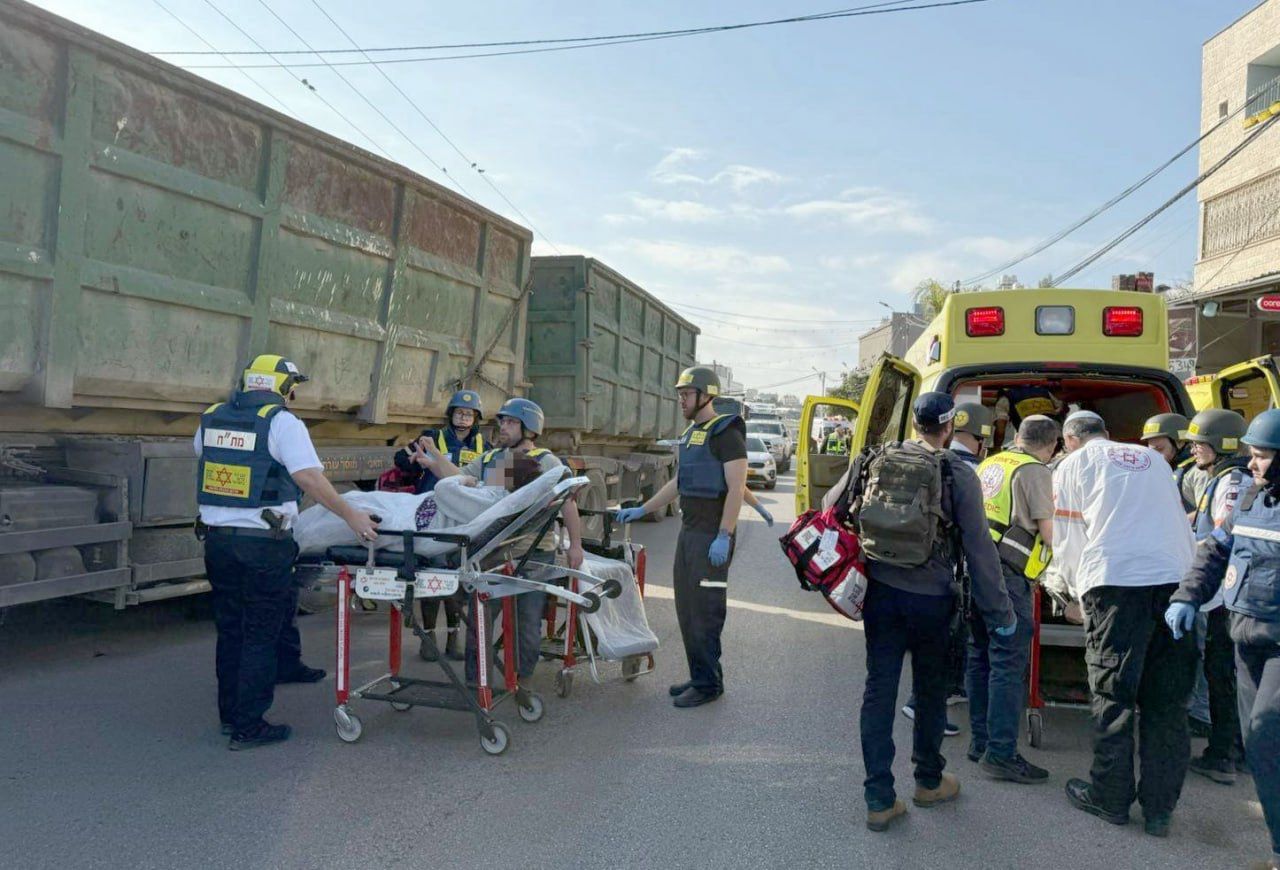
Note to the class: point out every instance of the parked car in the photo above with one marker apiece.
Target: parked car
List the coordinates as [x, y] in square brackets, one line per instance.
[760, 465]
[777, 440]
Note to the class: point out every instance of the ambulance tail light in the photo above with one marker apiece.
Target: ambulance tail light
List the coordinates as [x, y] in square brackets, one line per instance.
[1123, 320]
[982, 322]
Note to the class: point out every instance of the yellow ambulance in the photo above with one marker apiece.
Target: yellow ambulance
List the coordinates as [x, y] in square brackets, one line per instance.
[1250, 388]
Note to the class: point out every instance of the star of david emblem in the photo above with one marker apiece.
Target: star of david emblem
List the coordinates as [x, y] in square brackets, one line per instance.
[434, 585]
[222, 476]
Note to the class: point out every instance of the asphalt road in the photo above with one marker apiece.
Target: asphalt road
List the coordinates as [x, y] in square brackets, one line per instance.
[111, 757]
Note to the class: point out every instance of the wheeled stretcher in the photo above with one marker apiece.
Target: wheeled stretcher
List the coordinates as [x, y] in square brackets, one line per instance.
[490, 565]
[1048, 635]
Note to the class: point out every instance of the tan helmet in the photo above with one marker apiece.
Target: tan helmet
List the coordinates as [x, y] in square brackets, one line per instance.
[1219, 428]
[974, 418]
[1171, 426]
[702, 378]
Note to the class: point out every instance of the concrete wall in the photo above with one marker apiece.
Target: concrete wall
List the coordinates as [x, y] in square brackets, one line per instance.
[894, 336]
[1245, 194]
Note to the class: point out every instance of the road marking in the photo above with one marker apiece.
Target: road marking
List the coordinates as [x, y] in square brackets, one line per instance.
[653, 590]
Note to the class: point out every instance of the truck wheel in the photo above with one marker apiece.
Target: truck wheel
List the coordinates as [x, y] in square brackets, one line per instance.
[596, 498]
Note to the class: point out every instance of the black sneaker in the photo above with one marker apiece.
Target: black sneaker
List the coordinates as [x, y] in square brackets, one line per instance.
[1016, 769]
[1079, 794]
[957, 696]
[1219, 770]
[975, 754]
[263, 735]
[1157, 825]
[302, 674]
[695, 697]
[909, 711]
[951, 730]
[677, 689]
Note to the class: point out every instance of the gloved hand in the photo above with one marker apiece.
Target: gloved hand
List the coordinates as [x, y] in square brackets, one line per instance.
[628, 515]
[764, 514]
[1009, 629]
[1181, 618]
[719, 552]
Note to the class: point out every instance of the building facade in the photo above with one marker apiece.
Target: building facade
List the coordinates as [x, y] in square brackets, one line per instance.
[894, 335]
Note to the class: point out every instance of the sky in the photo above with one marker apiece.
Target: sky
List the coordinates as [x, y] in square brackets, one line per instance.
[790, 183]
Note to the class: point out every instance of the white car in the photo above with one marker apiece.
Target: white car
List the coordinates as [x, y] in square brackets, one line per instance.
[760, 466]
[776, 440]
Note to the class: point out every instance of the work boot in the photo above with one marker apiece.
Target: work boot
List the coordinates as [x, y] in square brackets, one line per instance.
[425, 650]
[879, 820]
[302, 674]
[452, 647]
[948, 790]
[677, 689]
[1219, 770]
[1157, 825]
[1080, 794]
[1015, 769]
[695, 697]
[263, 734]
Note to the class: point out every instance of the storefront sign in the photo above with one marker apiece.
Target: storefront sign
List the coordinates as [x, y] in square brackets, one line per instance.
[1270, 302]
[1183, 341]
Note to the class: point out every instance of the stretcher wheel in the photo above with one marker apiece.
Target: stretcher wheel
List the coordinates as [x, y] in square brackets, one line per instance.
[631, 667]
[611, 589]
[497, 744]
[1035, 729]
[349, 726]
[564, 683]
[593, 602]
[535, 709]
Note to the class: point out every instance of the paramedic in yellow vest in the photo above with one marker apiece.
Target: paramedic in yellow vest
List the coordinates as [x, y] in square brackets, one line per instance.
[256, 461]
[1017, 493]
[837, 443]
[711, 480]
[462, 442]
[520, 423]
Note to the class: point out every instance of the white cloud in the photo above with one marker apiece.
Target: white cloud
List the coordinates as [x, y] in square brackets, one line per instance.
[617, 220]
[673, 169]
[875, 210]
[740, 177]
[679, 210]
[668, 170]
[704, 259]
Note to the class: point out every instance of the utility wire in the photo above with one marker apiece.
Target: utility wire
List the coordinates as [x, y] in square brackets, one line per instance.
[700, 308]
[306, 84]
[774, 346]
[368, 102]
[281, 103]
[659, 35]
[1063, 233]
[434, 126]
[810, 330]
[1057, 282]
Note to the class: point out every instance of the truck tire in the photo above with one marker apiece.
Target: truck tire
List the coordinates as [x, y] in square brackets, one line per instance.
[595, 498]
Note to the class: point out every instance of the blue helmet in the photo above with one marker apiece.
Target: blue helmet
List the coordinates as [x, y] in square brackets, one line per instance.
[527, 412]
[465, 399]
[1264, 431]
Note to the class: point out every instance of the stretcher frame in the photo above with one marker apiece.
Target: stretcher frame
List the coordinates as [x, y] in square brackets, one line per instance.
[1036, 700]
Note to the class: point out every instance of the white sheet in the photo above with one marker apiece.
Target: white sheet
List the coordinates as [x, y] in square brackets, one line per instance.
[460, 510]
[620, 625]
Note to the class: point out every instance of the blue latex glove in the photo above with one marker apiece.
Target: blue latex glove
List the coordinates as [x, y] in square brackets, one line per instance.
[1009, 629]
[719, 552]
[628, 515]
[1181, 618]
[768, 517]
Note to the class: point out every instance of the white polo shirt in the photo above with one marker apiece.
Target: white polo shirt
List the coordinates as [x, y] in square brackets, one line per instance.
[289, 444]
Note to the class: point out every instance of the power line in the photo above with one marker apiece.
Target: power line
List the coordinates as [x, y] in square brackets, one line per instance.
[281, 103]
[700, 308]
[604, 42]
[381, 114]
[434, 126]
[300, 80]
[735, 325]
[844, 344]
[1062, 234]
[1168, 203]
[513, 42]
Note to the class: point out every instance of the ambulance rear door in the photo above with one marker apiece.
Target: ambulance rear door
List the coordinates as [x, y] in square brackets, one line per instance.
[816, 470]
[1248, 388]
[886, 404]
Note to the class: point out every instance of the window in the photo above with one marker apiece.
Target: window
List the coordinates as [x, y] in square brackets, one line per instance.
[1222, 109]
[755, 445]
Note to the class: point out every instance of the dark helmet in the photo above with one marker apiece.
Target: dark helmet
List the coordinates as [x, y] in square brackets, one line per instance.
[270, 371]
[1264, 431]
[465, 399]
[933, 409]
[701, 378]
[974, 418]
[528, 413]
[1219, 428]
[1171, 426]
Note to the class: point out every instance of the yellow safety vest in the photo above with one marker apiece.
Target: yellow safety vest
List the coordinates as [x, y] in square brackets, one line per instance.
[1021, 549]
[464, 455]
[836, 445]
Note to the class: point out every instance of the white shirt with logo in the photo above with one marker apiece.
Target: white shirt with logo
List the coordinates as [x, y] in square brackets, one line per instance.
[289, 443]
[1118, 519]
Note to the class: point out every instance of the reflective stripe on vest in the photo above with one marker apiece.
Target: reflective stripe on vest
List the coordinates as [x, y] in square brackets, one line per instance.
[1021, 549]
[456, 449]
[1251, 585]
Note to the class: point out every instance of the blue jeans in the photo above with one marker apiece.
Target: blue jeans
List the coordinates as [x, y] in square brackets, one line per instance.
[530, 607]
[996, 675]
[896, 623]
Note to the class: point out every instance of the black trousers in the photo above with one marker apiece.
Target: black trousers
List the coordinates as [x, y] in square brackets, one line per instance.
[701, 592]
[1220, 674]
[254, 602]
[1258, 689]
[1135, 664]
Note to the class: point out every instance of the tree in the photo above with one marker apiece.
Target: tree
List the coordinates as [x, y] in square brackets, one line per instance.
[851, 385]
[1046, 282]
[930, 295]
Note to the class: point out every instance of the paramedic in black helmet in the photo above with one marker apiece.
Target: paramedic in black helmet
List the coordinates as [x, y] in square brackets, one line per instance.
[910, 610]
[256, 461]
[711, 480]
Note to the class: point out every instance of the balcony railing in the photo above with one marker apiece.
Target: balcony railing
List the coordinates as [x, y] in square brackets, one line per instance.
[1262, 103]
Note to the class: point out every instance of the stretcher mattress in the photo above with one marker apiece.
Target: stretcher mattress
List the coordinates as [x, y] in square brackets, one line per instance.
[620, 626]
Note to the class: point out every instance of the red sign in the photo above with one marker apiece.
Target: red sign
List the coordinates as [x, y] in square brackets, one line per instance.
[1270, 302]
